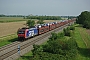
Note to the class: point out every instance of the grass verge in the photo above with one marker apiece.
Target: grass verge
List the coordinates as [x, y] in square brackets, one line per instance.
[85, 36]
[8, 39]
[26, 56]
[82, 48]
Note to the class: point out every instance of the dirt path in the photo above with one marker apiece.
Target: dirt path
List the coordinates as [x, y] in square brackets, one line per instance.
[88, 31]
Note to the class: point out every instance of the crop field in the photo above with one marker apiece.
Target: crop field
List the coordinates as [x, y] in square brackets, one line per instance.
[11, 19]
[18, 19]
[88, 31]
[10, 28]
[10, 25]
[83, 42]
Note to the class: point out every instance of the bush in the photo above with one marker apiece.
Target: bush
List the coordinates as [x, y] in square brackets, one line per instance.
[40, 22]
[72, 28]
[53, 36]
[37, 49]
[30, 23]
[57, 48]
[60, 34]
[67, 31]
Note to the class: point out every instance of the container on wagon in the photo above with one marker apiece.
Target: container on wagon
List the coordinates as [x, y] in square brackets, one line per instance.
[31, 32]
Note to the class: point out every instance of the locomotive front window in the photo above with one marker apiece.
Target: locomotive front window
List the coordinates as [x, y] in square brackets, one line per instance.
[21, 32]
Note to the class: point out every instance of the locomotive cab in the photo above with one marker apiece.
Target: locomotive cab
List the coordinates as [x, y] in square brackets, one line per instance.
[21, 34]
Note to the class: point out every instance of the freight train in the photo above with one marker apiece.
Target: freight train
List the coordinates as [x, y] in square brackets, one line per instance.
[25, 33]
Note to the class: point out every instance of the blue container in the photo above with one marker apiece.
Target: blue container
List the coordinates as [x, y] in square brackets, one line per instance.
[35, 31]
[32, 32]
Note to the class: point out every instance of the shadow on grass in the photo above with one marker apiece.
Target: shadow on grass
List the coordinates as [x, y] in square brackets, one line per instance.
[84, 52]
[13, 40]
[27, 57]
[16, 39]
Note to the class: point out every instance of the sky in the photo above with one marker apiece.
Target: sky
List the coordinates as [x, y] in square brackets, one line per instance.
[44, 7]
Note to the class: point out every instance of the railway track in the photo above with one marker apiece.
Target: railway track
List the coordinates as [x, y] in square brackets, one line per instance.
[11, 49]
[23, 46]
[8, 46]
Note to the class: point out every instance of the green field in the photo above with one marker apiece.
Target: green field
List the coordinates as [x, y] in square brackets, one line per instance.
[26, 56]
[11, 19]
[8, 39]
[82, 39]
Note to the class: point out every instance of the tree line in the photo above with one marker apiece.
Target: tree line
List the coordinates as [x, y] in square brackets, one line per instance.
[2, 15]
[44, 17]
[30, 23]
[84, 19]
[39, 17]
